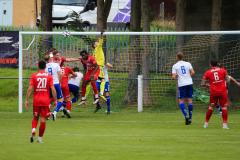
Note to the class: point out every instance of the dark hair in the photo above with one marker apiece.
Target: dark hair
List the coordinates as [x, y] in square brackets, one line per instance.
[76, 69]
[41, 64]
[214, 63]
[46, 58]
[83, 53]
[180, 55]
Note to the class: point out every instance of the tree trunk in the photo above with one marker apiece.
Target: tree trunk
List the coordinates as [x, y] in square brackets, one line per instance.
[134, 53]
[146, 52]
[103, 9]
[216, 26]
[180, 21]
[46, 25]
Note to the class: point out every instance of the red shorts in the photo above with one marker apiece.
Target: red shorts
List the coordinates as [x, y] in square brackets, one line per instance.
[65, 91]
[221, 99]
[87, 76]
[42, 111]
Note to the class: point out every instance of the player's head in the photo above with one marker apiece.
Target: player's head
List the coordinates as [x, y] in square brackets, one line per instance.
[214, 63]
[46, 58]
[76, 69]
[41, 64]
[50, 51]
[180, 56]
[84, 54]
[94, 44]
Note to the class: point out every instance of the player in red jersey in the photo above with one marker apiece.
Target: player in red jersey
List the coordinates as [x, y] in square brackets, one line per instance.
[40, 83]
[66, 72]
[91, 75]
[216, 77]
[60, 59]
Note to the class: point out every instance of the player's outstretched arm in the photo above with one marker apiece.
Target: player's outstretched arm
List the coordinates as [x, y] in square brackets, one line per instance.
[234, 80]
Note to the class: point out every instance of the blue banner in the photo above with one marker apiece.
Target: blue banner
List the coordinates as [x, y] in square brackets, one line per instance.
[9, 43]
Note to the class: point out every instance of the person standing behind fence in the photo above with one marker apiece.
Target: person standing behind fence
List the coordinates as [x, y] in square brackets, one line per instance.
[40, 83]
[183, 72]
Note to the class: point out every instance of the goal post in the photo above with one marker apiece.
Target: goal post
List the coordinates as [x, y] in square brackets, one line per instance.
[142, 60]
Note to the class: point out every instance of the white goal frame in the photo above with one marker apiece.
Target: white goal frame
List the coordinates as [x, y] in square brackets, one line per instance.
[66, 33]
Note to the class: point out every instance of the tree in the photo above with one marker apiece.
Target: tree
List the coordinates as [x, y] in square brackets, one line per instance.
[146, 19]
[134, 55]
[103, 9]
[46, 25]
[180, 20]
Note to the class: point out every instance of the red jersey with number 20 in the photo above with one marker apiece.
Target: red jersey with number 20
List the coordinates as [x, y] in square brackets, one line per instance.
[216, 77]
[41, 82]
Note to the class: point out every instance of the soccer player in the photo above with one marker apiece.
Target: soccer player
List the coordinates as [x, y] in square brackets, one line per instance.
[106, 88]
[40, 83]
[100, 58]
[74, 83]
[54, 69]
[183, 72]
[91, 75]
[216, 77]
[66, 72]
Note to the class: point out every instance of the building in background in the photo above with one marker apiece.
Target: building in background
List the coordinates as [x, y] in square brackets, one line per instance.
[19, 12]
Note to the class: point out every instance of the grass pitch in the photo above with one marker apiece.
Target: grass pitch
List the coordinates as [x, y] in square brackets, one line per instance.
[124, 135]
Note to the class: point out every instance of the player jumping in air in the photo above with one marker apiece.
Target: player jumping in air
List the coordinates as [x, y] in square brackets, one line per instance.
[183, 72]
[91, 75]
[40, 83]
[100, 58]
[216, 78]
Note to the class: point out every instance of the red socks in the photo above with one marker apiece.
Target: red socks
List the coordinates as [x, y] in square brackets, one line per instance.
[42, 129]
[224, 115]
[208, 114]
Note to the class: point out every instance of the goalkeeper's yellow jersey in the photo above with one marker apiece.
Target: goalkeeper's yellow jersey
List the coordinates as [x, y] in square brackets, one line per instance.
[99, 54]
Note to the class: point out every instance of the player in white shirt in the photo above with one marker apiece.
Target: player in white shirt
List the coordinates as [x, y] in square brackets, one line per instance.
[55, 70]
[74, 84]
[183, 72]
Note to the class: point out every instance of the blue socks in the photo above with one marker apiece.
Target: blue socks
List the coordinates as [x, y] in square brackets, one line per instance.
[74, 99]
[59, 105]
[108, 103]
[190, 109]
[182, 107]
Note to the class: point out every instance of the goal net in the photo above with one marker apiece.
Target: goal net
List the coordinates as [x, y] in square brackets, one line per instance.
[150, 54]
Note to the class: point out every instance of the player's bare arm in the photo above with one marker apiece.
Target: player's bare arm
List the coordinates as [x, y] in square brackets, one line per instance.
[230, 78]
[192, 72]
[54, 93]
[29, 92]
[72, 59]
[174, 76]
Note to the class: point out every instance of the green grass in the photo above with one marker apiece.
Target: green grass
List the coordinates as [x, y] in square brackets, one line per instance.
[122, 135]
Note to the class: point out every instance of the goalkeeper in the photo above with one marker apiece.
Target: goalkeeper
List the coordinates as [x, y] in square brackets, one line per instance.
[100, 58]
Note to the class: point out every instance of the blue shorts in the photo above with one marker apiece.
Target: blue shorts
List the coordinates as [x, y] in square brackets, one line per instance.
[74, 89]
[106, 87]
[59, 91]
[185, 92]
